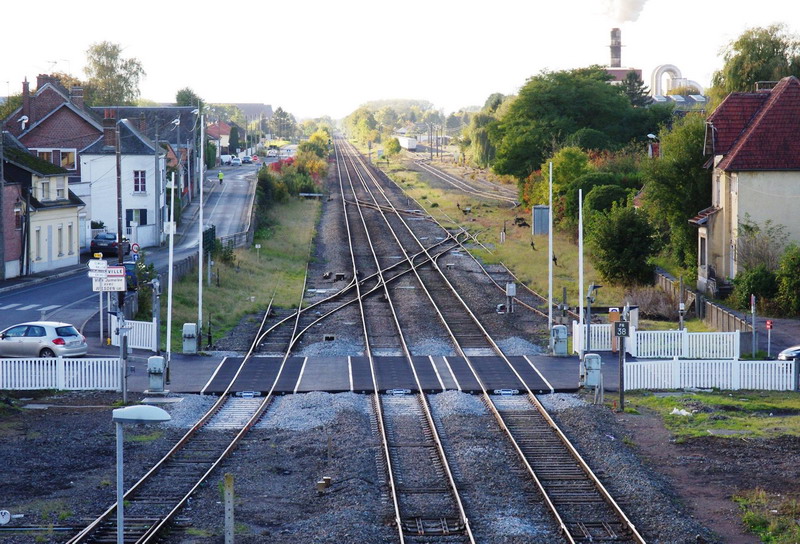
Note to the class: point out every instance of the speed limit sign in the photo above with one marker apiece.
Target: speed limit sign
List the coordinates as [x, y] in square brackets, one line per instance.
[135, 248]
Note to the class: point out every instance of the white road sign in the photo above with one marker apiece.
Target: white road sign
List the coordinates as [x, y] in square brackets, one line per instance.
[97, 264]
[116, 283]
[97, 274]
[114, 271]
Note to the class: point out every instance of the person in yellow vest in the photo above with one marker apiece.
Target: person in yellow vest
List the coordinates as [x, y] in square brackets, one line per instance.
[221, 177]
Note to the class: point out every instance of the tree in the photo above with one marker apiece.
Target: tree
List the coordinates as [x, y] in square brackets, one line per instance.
[233, 140]
[111, 79]
[759, 54]
[493, 102]
[392, 147]
[677, 185]
[551, 107]
[635, 89]
[622, 245]
[760, 244]
[603, 197]
[187, 97]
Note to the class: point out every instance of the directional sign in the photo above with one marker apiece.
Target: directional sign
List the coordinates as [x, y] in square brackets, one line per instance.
[97, 264]
[97, 274]
[115, 271]
[621, 328]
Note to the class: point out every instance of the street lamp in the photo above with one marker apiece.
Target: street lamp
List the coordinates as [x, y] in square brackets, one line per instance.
[654, 143]
[590, 297]
[131, 414]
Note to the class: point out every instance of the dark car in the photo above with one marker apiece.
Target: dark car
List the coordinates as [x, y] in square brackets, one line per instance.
[789, 353]
[106, 243]
[247, 160]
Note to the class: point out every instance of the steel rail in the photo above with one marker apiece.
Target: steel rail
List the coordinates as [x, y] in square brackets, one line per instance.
[464, 186]
[421, 397]
[609, 500]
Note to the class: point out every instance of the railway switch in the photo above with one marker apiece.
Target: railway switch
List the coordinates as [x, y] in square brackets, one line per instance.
[559, 340]
[591, 368]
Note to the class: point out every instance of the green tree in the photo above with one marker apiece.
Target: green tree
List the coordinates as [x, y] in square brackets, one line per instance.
[477, 144]
[551, 107]
[759, 54]
[677, 185]
[635, 89]
[621, 241]
[187, 97]
[603, 197]
[111, 79]
[493, 102]
[233, 140]
[788, 281]
[759, 281]
[392, 147]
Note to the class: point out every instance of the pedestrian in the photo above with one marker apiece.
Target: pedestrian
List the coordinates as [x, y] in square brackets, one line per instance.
[533, 245]
[221, 177]
[555, 259]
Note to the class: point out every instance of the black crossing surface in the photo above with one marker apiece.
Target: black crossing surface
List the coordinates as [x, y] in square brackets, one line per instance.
[495, 373]
[362, 377]
[463, 375]
[331, 374]
[394, 373]
[542, 374]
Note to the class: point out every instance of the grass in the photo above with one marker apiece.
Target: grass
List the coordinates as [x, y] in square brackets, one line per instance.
[691, 325]
[771, 516]
[246, 286]
[740, 414]
[146, 437]
[486, 220]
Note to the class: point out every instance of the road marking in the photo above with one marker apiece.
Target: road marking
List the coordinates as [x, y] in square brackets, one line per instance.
[9, 306]
[28, 307]
[48, 308]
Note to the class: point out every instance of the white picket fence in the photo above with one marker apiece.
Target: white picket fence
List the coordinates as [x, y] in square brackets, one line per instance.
[661, 344]
[142, 334]
[724, 374]
[61, 373]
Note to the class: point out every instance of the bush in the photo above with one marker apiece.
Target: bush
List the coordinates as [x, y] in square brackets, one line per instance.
[622, 245]
[653, 303]
[602, 197]
[758, 281]
[788, 278]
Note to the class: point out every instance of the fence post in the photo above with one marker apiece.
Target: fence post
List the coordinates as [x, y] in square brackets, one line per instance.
[676, 373]
[795, 375]
[61, 374]
[685, 344]
[736, 374]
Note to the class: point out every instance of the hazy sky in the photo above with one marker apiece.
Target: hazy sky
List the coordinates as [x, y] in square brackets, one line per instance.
[316, 57]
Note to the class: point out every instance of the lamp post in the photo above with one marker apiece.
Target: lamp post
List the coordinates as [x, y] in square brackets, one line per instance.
[653, 147]
[121, 416]
[590, 297]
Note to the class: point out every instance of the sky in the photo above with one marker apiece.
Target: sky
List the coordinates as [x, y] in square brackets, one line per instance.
[315, 57]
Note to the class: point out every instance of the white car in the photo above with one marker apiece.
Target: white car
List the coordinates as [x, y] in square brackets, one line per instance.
[789, 353]
[236, 161]
[42, 339]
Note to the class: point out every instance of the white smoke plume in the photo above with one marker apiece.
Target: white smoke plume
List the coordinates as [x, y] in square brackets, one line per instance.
[625, 10]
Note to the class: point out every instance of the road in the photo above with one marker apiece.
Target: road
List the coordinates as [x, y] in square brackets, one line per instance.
[68, 296]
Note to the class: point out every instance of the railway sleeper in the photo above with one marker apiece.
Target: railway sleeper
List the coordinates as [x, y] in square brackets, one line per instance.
[597, 531]
[433, 526]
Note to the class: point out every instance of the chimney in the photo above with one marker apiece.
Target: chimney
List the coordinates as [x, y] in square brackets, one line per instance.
[26, 98]
[43, 79]
[109, 123]
[142, 123]
[616, 48]
[76, 96]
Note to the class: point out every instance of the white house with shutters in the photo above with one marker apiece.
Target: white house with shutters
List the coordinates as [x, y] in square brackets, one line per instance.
[141, 180]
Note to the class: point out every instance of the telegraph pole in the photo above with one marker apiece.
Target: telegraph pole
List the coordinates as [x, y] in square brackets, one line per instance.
[120, 294]
[2, 195]
[157, 189]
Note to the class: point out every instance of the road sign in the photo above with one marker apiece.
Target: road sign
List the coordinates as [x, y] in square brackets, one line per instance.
[769, 324]
[135, 248]
[116, 283]
[622, 328]
[135, 257]
[115, 271]
[97, 264]
[97, 274]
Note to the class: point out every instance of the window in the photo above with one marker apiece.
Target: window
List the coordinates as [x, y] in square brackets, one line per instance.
[38, 246]
[702, 251]
[60, 240]
[18, 217]
[44, 190]
[139, 181]
[136, 215]
[65, 158]
[61, 192]
[69, 238]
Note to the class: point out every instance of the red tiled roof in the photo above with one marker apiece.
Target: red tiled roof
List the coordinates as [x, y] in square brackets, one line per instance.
[771, 140]
[702, 217]
[731, 118]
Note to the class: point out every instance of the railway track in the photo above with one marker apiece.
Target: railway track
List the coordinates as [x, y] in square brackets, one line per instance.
[579, 503]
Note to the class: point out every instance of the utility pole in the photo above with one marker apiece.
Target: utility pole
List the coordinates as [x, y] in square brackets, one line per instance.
[118, 152]
[200, 229]
[2, 195]
[157, 190]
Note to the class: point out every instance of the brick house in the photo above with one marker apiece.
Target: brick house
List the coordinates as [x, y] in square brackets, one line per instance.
[54, 124]
[753, 140]
[40, 213]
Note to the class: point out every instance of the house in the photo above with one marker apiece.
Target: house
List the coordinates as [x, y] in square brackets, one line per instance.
[54, 123]
[220, 131]
[753, 140]
[40, 213]
[141, 168]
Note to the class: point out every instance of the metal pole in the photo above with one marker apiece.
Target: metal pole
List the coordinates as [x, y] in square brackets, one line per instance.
[753, 322]
[100, 296]
[200, 231]
[169, 276]
[120, 512]
[621, 374]
[580, 264]
[550, 260]
[157, 190]
[120, 294]
[123, 358]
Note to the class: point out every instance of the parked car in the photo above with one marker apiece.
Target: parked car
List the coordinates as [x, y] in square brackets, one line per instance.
[247, 160]
[789, 353]
[256, 158]
[225, 159]
[272, 153]
[106, 243]
[42, 339]
[236, 161]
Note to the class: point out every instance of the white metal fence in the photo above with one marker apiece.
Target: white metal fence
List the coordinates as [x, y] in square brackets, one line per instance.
[718, 374]
[60, 373]
[142, 334]
[662, 344]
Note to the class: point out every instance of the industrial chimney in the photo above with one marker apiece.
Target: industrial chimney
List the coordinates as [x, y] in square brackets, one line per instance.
[616, 48]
